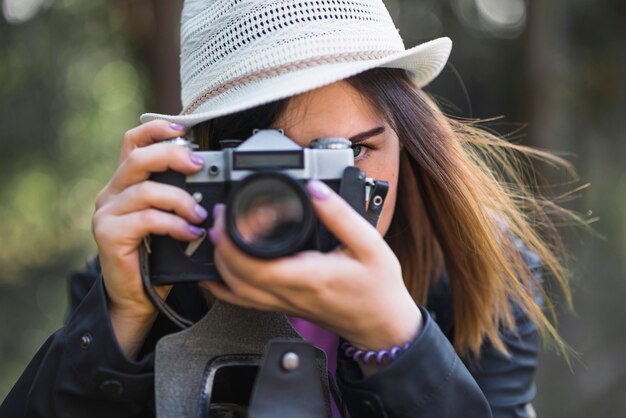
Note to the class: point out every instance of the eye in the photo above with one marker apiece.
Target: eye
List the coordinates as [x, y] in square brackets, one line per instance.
[361, 150]
[357, 150]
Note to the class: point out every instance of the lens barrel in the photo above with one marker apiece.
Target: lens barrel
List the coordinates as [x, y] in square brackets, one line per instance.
[269, 215]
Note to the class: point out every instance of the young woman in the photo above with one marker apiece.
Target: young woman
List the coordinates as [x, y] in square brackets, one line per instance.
[451, 275]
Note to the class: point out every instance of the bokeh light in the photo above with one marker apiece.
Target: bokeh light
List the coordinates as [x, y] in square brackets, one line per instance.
[503, 15]
[499, 18]
[20, 11]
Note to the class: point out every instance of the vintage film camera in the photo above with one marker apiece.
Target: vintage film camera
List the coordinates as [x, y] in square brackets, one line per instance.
[268, 210]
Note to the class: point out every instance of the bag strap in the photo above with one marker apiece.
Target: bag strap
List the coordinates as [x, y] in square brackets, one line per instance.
[289, 383]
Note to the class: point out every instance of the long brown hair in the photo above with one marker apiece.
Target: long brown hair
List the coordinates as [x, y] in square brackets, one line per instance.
[463, 206]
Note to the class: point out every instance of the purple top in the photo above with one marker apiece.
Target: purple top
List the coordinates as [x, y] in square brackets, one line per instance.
[324, 339]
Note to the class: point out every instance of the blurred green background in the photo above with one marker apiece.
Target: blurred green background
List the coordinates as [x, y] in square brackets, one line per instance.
[75, 75]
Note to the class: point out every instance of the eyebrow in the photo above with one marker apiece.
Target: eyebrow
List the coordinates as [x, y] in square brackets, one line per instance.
[360, 137]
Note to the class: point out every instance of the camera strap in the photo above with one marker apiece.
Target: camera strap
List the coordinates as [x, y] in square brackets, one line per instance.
[163, 308]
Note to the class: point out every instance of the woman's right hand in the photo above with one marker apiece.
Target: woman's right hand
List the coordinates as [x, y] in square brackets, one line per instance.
[131, 207]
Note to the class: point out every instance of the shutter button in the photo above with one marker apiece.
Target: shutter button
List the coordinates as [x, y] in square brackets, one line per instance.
[85, 341]
[112, 388]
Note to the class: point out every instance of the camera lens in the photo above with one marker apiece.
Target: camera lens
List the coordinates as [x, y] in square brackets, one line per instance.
[269, 215]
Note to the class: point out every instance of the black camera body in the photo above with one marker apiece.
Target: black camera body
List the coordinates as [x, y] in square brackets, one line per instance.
[268, 210]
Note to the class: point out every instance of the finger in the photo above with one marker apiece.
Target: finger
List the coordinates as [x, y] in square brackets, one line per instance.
[259, 272]
[128, 230]
[149, 133]
[312, 272]
[304, 270]
[142, 162]
[308, 271]
[358, 235]
[240, 263]
[160, 196]
[259, 296]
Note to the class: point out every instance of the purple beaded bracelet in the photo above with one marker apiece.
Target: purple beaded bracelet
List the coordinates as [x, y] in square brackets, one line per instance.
[366, 357]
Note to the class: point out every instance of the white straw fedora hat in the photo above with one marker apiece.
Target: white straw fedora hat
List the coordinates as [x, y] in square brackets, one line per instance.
[238, 54]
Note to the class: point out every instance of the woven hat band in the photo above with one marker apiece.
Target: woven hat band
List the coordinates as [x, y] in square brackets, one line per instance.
[279, 70]
[227, 40]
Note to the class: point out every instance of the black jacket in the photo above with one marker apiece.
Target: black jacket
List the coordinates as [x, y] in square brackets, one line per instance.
[80, 370]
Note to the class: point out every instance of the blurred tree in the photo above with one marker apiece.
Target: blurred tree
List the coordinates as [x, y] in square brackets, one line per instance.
[71, 82]
[152, 28]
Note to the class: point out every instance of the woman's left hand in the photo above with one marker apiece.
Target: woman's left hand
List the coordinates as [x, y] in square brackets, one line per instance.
[356, 290]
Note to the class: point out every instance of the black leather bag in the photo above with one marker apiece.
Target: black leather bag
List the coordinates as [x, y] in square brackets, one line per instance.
[238, 362]
[285, 382]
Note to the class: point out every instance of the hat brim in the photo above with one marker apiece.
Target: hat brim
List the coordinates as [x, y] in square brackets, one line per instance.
[424, 62]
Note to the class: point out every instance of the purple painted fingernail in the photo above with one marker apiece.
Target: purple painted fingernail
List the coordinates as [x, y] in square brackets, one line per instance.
[196, 231]
[215, 235]
[196, 159]
[318, 190]
[202, 213]
[218, 209]
[177, 127]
